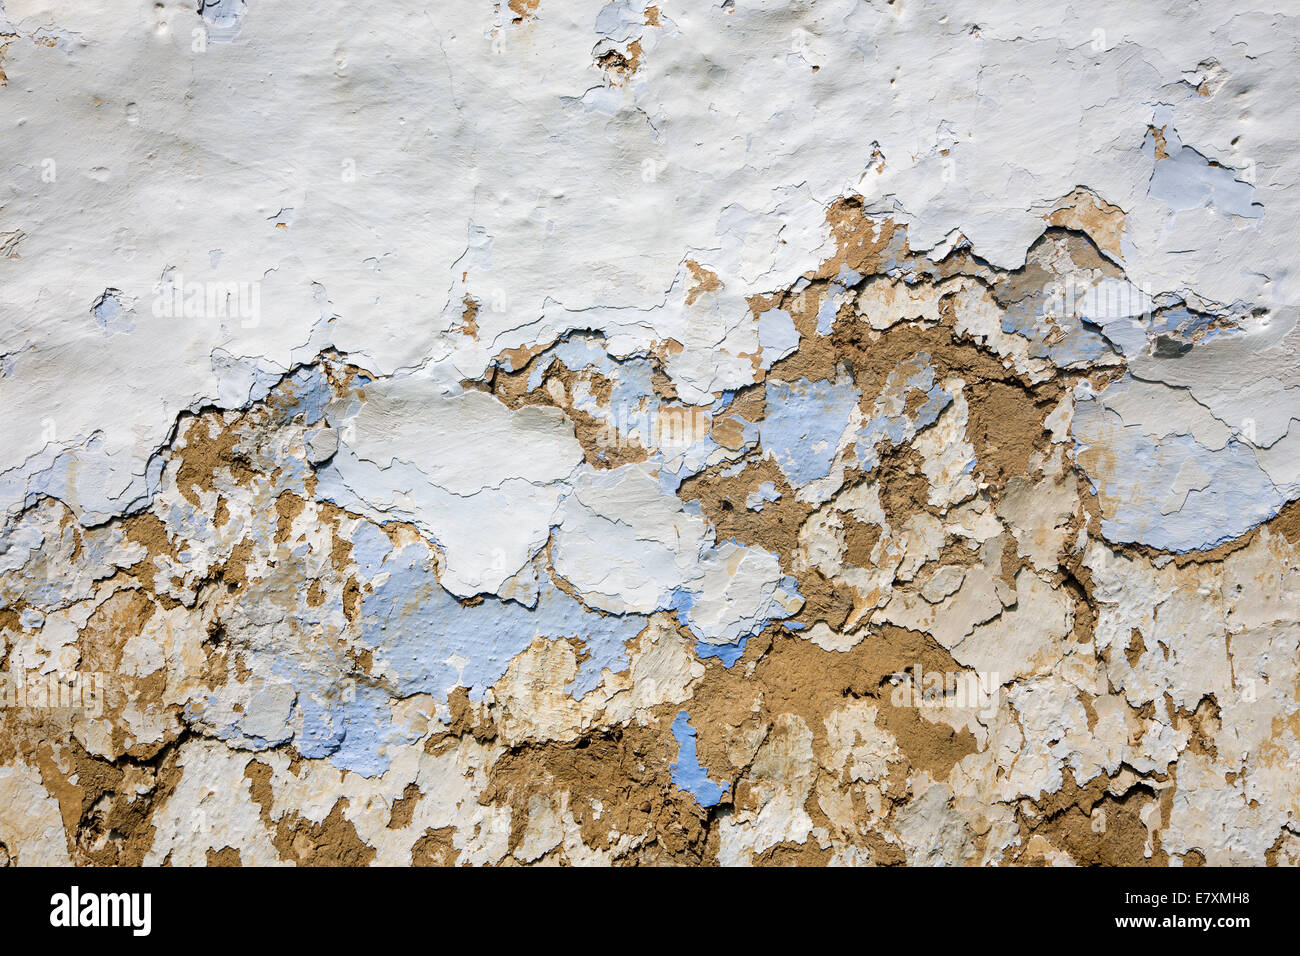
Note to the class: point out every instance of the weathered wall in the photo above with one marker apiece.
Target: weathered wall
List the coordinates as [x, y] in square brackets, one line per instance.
[598, 432]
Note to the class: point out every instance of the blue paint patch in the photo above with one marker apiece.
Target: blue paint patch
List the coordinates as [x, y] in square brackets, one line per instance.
[686, 773]
[310, 390]
[368, 732]
[1185, 179]
[682, 602]
[727, 653]
[424, 642]
[829, 308]
[777, 336]
[110, 315]
[826, 313]
[1064, 339]
[889, 421]
[1227, 492]
[803, 425]
[676, 464]
[322, 728]
[764, 494]
[1190, 326]
[369, 548]
[417, 627]
[847, 278]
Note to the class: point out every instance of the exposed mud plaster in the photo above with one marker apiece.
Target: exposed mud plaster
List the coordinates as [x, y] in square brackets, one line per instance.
[597, 433]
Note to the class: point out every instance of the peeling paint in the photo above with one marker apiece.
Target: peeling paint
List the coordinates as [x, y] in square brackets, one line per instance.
[602, 433]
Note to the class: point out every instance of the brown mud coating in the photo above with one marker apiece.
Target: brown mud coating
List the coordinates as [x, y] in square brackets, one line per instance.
[615, 780]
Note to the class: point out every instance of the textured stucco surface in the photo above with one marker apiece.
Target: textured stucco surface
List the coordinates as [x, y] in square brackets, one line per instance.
[836, 432]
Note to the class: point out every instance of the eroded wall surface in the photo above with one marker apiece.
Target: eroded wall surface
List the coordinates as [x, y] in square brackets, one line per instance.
[571, 431]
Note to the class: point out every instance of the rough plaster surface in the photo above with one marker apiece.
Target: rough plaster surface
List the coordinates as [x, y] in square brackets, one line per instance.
[835, 432]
